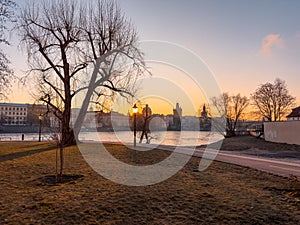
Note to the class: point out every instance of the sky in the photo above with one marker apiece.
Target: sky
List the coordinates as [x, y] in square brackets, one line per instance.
[243, 43]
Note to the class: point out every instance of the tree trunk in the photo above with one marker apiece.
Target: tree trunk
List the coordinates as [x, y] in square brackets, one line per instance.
[67, 133]
[230, 133]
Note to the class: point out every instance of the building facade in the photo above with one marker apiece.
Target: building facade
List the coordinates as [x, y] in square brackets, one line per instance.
[177, 116]
[205, 121]
[294, 115]
[16, 117]
[13, 114]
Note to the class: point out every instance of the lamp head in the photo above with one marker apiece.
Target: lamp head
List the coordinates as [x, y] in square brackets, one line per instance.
[135, 109]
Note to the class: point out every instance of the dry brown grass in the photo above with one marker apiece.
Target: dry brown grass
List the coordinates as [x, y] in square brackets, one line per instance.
[223, 194]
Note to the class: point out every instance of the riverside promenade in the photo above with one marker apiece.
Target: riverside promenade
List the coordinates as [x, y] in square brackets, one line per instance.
[274, 158]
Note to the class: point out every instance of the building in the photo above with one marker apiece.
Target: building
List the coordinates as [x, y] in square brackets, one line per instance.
[113, 121]
[158, 122]
[294, 115]
[169, 121]
[13, 114]
[17, 117]
[101, 121]
[205, 121]
[177, 115]
[190, 123]
[34, 113]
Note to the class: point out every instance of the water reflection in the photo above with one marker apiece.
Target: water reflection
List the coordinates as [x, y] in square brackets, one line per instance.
[173, 138]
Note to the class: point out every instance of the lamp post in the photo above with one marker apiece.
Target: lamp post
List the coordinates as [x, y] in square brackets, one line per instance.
[40, 117]
[135, 110]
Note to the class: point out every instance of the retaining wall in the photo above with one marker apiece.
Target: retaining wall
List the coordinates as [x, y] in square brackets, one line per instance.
[282, 132]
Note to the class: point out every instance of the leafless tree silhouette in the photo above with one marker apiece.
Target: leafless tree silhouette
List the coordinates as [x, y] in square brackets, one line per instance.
[6, 15]
[80, 48]
[273, 100]
[232, 108]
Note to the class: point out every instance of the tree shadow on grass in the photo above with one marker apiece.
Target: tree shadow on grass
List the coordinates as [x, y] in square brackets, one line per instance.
[26, 153]
[51, 180]
[30, 145]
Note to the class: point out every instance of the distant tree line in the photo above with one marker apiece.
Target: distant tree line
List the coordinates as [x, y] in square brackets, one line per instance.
[271, 102]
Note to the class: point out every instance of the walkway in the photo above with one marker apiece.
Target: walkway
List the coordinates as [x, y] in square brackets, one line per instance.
[282, 167]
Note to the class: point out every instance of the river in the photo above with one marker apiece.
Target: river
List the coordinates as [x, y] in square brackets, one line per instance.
[173, 138]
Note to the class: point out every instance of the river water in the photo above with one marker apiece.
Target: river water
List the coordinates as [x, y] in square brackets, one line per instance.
[173, 138]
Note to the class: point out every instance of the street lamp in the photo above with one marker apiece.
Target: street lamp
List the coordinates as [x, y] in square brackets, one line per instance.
[135, 110]
[40, 117]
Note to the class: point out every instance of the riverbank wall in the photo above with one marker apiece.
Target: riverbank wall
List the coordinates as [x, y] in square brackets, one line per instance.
[282, 132]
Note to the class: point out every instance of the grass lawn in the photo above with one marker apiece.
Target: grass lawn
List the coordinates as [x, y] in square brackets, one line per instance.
[223, 194]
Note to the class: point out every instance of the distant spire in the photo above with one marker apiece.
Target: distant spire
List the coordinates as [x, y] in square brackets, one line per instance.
[204, 113]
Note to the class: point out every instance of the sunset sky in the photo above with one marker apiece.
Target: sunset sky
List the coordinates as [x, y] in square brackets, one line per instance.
[243, 43]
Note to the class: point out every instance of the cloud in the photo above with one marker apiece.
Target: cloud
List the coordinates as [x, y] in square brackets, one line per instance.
[271, 41]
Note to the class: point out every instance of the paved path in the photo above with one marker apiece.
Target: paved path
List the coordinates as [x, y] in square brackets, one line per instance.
[283, 167]
[275, 166]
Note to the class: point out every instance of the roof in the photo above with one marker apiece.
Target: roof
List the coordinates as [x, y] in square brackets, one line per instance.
[295, 112]
[13, 104]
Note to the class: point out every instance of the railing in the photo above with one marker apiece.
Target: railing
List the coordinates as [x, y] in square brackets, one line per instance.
[22, 137]
[256, 132]
[5, 138]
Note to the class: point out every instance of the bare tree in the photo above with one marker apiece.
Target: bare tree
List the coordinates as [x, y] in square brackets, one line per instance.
[6, 15]
[90, 48]
[231, 107]
[273, 100]
[239, 104]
